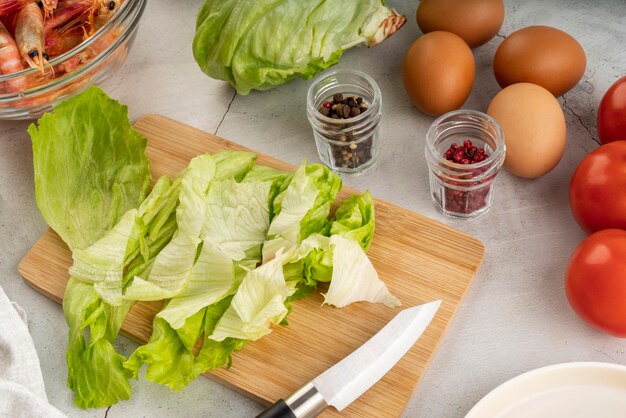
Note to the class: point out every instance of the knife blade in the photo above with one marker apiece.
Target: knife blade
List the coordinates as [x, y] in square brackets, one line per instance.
[347, 380]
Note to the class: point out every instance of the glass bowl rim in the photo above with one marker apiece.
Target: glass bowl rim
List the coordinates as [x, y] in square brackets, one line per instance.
[126, 11]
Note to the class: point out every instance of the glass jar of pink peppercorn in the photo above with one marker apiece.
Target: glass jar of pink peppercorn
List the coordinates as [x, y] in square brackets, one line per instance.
[464, 150]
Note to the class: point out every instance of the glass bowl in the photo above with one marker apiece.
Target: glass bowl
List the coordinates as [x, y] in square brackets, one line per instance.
[89, 63]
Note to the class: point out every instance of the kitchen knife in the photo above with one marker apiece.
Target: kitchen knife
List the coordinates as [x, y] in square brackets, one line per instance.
[343, 383]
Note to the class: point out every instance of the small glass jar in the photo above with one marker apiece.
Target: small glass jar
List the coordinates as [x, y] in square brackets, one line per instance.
[345, 145]
[464, 190]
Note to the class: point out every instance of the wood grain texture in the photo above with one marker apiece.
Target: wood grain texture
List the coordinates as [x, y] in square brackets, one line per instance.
[419, 259]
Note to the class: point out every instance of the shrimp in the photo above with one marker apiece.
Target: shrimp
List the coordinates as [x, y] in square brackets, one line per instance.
[106, 7]
[9, 21]
[10, 61]
[8, 6]
[61, 40]
[48, 8]
[29, 37]
[101, 12]
[94, 50]
[68, 11]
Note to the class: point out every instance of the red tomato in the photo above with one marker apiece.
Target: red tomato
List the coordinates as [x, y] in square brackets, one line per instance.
[597, 192]
[612, 113]
[595, 281]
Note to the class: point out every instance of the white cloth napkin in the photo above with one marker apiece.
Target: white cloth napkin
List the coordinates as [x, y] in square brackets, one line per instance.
[22, 391]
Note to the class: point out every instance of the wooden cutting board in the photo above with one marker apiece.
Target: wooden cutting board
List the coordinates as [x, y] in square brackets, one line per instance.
[419, 259]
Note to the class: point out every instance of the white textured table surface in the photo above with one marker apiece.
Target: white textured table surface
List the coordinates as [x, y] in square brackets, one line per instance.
[515, 317]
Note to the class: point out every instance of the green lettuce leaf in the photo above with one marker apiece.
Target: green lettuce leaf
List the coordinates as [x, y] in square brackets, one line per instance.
[293, 204]
[304, 264]
[258, 303]
[95, 370]
[233, 164]
[235, 219]
[102, 264]
[259, 45]
[301, 209]
[90, 167]
[354, 219]
[278, 180]
[318, 266]
[154, 227]
[170, 352]
[354, 278]
[91, 170]
[214, 354]
[328, 183]
[212, 278]
[235, 226]
[168, 355]
[172, 266]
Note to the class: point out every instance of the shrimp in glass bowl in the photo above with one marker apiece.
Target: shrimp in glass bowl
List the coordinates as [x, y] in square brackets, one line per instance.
[76, 51]
[29, 37]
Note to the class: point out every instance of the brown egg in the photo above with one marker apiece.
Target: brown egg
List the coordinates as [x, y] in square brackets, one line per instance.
[476, 21]
[541, 55]
[438, 72]
[534, 128]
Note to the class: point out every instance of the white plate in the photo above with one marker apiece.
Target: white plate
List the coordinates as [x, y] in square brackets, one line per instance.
[569, 390]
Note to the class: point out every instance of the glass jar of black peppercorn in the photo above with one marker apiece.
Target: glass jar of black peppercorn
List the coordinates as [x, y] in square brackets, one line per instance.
[465, 150]
[344, 108]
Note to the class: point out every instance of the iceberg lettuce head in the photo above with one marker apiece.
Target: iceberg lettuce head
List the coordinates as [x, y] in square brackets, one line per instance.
[262, 44]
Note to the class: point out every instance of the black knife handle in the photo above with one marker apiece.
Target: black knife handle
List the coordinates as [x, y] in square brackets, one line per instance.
[306, 402]
[279, 410]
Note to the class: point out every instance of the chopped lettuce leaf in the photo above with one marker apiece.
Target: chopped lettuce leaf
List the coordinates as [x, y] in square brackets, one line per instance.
[329, 184]
[169, 273]
[233, 164]
[154, 227]
[354, 278]
[301, 208]
[90, 167]
[91, 170]
[168, 355]
[236, 223]
[214, 354]
[237, 217]
[172, 266]
[102, 263]
[258, 303]
[354, 219]
[212, 278]
[277, 178]
[95, 370]
[318, 266]
[234, 227]
[170, 352]
[292, 206]
[300, 261]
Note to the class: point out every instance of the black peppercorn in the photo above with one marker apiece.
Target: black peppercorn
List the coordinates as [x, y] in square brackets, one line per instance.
[350, 155]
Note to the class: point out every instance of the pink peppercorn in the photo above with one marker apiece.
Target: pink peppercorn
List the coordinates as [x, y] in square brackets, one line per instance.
[465, 154]
[465, 202]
